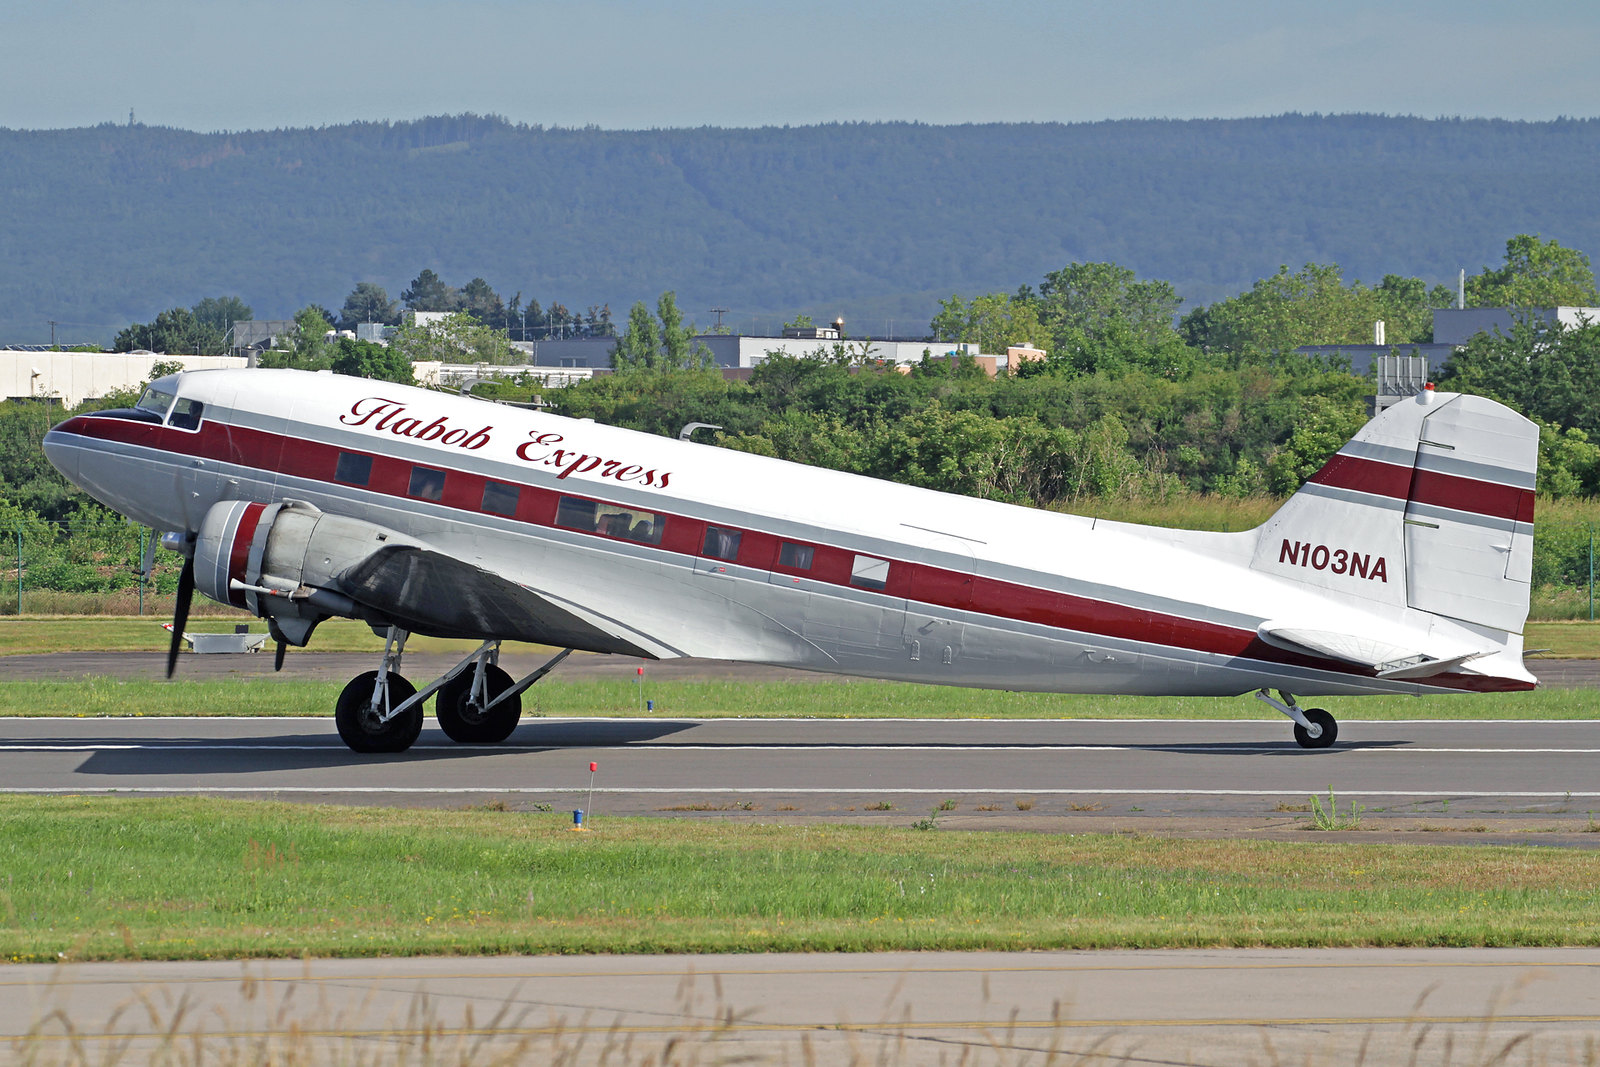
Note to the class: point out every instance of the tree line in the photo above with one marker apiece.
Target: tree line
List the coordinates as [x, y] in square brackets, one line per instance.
[1130, 401]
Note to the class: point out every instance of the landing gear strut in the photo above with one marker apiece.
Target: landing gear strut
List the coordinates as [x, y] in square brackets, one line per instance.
[1313, 727]
[380, 711]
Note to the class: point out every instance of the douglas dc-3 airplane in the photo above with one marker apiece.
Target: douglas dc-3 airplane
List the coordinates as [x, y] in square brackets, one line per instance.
[1403, 566]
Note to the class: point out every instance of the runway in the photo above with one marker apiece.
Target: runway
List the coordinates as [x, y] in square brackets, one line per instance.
[1199, 1007]
[1502, 776]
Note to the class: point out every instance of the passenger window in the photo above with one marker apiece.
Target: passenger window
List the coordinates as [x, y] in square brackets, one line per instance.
[500, 499]
[721, 543]
[612, 520]
[576, 513]
[426, 483]
[186, 414]
[869, 573]
[795, 556]
[353, 468]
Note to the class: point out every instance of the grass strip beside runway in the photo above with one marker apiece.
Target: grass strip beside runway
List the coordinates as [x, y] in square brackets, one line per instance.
[713, 699]
[117, 878]
[37, 635]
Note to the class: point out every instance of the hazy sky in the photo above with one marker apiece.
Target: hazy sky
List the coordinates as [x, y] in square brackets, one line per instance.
[244, 64]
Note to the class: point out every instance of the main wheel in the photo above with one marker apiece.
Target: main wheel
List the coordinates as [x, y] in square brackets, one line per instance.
[1326, 732]
[464, 720]
[360, 728]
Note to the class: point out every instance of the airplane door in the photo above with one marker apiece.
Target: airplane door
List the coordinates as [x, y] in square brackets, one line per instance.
[940, 588]
[209, 472]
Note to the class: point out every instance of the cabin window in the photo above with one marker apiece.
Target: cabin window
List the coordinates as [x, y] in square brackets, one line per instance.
[869, 573]
[795, 556]
[186, 414]
[611, 520]
[353, 468]
[500, 498]
[721, 543]
[426, 483]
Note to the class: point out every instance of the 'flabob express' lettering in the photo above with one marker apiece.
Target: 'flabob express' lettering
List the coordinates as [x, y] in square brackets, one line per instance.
[548, 449]
[541, 448]
[1338, 560]
[389, 416]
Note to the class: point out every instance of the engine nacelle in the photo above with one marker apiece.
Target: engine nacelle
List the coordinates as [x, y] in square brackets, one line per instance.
[280, 561]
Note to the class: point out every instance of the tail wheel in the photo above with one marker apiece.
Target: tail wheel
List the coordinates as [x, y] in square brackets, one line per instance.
[1325, 731]
[463, 720]
[359, 725]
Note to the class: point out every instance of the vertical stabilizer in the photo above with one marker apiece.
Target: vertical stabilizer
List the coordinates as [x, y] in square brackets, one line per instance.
[1430, 506]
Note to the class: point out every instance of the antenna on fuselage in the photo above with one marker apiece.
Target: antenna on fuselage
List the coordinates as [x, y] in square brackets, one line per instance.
[688, 431]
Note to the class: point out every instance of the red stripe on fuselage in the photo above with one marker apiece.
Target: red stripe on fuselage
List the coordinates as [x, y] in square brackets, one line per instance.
[937, 587]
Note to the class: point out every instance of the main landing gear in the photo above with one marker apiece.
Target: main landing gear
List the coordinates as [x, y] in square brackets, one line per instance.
[1313, 727]
[380, 711]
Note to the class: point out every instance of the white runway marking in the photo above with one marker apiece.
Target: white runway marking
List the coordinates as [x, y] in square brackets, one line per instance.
[1355, 749]
[1014, 790]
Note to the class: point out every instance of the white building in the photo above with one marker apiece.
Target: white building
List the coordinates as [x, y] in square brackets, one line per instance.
[70, 378]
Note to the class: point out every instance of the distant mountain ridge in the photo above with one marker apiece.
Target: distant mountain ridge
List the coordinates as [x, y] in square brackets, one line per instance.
[110, 224]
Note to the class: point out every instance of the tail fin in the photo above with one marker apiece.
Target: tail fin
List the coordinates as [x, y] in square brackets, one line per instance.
[1430, 506]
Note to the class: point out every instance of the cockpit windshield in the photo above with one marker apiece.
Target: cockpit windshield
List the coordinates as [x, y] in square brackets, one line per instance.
[156, 400]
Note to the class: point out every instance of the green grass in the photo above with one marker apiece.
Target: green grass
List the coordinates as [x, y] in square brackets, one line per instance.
[826, 699]
[115, 878]
[21, 635]
[34, 635]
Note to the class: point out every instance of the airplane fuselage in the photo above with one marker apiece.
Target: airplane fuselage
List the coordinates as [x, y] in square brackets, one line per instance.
[683, 549]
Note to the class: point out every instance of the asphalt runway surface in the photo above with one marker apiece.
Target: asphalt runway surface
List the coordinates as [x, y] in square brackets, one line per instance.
[1484, 781]
[1198, 1007]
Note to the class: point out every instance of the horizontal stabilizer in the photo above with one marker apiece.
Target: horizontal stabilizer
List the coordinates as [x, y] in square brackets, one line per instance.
[1387, 659]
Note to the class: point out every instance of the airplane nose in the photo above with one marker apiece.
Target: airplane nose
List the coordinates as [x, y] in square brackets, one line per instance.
[62, 454]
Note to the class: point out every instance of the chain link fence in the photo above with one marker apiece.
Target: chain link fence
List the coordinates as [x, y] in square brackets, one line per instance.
[95, 569]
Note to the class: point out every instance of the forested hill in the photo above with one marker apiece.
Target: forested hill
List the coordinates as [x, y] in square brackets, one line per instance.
[109, 225]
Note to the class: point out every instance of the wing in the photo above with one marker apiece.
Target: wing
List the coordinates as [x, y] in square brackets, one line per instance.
[430, 592]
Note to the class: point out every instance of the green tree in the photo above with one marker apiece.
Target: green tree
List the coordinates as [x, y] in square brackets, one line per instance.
[640, 343]
[680, 349]
[1313, 306]
[428, 292]
[479, 300]
[1546, 371]
[659, 342]
[368, 302]
[458, 338]
[993, 322]
[1092, 298]
[366, 359]
[219, 313]
[175, 331]
[1536, 274]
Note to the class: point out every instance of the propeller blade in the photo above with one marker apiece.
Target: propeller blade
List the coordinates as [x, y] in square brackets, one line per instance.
[180, 616]
[277, 657]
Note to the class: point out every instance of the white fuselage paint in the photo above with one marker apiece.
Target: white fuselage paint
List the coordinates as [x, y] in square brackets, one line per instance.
[673, 603]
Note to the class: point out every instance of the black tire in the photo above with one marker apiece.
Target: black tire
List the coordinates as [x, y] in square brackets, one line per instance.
[1328, 730]
[358, 726]
[462, 721]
